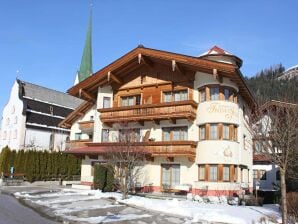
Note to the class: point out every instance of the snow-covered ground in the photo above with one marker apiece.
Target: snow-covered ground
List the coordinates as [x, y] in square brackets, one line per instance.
[91, 206]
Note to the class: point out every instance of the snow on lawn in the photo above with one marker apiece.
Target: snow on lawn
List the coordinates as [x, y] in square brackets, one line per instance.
[205, 212]
[72, 200]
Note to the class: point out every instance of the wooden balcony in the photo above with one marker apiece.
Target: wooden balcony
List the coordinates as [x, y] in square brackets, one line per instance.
[150, 112]
[77, 144]
[86, 126]
[168, 149]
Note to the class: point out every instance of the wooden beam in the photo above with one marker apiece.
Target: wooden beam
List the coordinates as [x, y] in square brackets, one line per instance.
[114, 77]
[86, 95]
[177, 67]
[145, 60]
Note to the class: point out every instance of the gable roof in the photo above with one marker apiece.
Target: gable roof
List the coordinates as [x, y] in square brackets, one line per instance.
[43, 94]
[131, 59]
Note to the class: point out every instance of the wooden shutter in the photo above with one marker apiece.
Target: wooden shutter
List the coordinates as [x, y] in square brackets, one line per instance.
[207, 93]
[207, 130]
[235, 133]
[220, 131]
[232, 174]
[221, 93]
[231, 127]
[220, 172]
[207, 172]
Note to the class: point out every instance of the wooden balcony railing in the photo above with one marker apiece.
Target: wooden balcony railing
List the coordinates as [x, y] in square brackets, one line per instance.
[147, 112]
[86, 126]
[76, 144]
[152, 148]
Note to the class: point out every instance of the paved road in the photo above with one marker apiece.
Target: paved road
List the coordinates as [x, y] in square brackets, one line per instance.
[12, 212]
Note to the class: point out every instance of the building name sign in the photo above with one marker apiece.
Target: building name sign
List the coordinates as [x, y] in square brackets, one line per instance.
[228, 111]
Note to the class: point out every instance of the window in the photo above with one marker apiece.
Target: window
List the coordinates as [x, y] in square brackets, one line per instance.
[105, 135]
[277, 175]
[180, 95]
[226, 132]
[130, 100]
[203, 95]
[77, 136]
[129, 135]
[16, 120]
[90, 136]
[174, 133]
[213, 173]
[202, 132]
[227, 94]
[13, 109]
[201, 172]
[262, 174]
[226, 173]
[167, 97]
[170, 175]
[255, 174]
[213, 131]
[235, 136]
[15, 134]
[214, 93]
[91, 118]
[106, 102]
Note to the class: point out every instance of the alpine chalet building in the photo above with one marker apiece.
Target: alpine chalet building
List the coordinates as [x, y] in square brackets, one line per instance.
[188, 113]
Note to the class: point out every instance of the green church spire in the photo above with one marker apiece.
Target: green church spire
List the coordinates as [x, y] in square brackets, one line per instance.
[86, 62]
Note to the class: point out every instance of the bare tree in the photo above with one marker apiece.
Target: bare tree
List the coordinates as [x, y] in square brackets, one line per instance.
[275, 129]
[127, 158]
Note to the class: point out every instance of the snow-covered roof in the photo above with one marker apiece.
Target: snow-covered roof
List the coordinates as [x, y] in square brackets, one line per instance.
[43, 94]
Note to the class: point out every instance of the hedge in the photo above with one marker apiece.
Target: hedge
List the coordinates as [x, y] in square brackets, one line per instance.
[40, 165]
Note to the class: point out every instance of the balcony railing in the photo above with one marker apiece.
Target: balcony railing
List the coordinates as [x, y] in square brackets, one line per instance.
[152, 148]
[76, 144]
[86, 126]
[147, 112]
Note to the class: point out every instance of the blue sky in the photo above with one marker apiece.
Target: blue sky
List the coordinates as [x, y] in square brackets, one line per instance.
[44, 39]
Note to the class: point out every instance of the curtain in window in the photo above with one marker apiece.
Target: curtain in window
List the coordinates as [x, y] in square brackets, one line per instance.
[213, 173]
[214, 92]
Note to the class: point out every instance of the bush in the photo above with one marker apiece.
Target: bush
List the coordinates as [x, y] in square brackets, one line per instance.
[109, 186]
[103, 178]
[99, 176]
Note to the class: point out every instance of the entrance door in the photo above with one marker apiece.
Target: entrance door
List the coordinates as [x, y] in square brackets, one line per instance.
[170, 174]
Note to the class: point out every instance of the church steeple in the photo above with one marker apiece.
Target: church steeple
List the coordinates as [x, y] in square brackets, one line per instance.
[86, 62]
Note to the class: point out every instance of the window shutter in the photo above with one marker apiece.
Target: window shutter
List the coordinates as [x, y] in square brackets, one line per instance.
[207, 172]
[220, 172]
[207, 131]
[231, 131]
[207, 93]
[232, 174]
[220, 131]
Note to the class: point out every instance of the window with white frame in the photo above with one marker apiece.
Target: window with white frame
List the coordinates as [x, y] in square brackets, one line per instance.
[226, 132]
[226, 173]
[213, 131]
[214, 93]
[213, 173]
[202, 172]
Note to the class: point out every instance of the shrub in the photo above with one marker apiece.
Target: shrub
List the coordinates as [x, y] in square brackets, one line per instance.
[109, 185]
[99, 176]
[103, 178]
